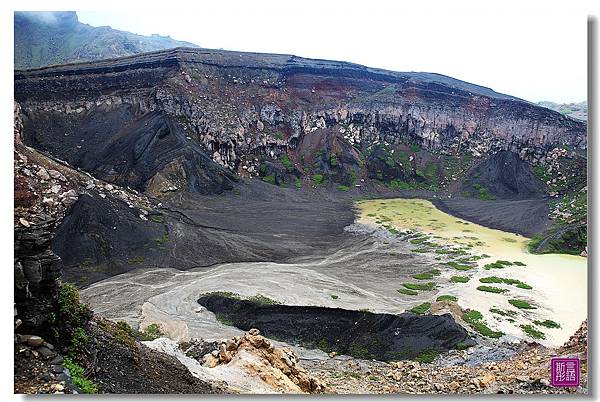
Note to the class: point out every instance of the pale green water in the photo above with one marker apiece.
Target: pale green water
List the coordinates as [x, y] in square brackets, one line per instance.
[559, 281]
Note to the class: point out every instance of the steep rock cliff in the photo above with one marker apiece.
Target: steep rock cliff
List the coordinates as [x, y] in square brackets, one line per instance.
[200, 115]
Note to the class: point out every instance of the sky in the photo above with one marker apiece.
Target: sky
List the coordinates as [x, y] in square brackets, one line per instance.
[524, 49]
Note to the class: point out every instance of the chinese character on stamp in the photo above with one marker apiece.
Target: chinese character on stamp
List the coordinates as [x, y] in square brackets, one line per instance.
[564, 372]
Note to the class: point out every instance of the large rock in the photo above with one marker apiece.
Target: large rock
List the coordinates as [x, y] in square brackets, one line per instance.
[278, 368]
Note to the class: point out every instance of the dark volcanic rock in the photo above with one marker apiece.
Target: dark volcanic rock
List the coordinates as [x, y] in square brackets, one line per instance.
[36, 270]
[526, 217]
[356, 333]
[129, 149]
[122, 367]
[154, 119]
[101, 238]
[506, 176]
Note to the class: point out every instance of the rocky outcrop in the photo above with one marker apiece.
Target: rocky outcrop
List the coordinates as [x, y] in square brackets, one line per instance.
[278, 367]
[217, 109]
[524, 369]
[36, 272]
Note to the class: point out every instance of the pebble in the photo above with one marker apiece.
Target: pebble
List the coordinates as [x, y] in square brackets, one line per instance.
[61, 377]
[57, 360]
[55, 174]
[46, 353]
[34, 340]
[43, 174]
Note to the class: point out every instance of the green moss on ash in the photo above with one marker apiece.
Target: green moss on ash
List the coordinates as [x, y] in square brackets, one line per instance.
[522, 304]
[407, 292]
[419, 286]
[447, 298]
[475, 319]
[547, 323]
[421, 308]
[491, 289]
[533, 332]
[460, 279]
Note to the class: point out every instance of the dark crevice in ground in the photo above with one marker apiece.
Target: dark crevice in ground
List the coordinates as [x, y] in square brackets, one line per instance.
[360, 334]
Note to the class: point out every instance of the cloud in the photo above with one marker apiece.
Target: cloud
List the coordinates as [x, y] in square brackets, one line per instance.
[47, 17]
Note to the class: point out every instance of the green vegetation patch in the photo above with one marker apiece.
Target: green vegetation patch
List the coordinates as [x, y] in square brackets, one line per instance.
[483, 193]
[258, 299]
[69, 306]
[156, 218]
[499, 264]
[122, 332]
[408, 292]
[79, 340]
[269, 179]
[419, 286]
[333, 161]
[460, 267]
[547, 324]
[447, 298]
[416, 148]
[427, 356]
[135, 260]
[162, 240]
[421, 308]
[229, 295]
[475, 319]
[287, 163]
[318, 178]
[323, 345]
[532, 332]
[223, 320]
[491, 289]
[522, 304]
[507, 281]
[461, 346]
[504, 313]
[423, 276]
[460, 279]
[151, 333]
[86, 385]
[359, 351]
[262, 300]
[341, 187]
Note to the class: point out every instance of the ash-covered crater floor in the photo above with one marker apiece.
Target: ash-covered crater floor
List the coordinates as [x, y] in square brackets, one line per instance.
[363, 272]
